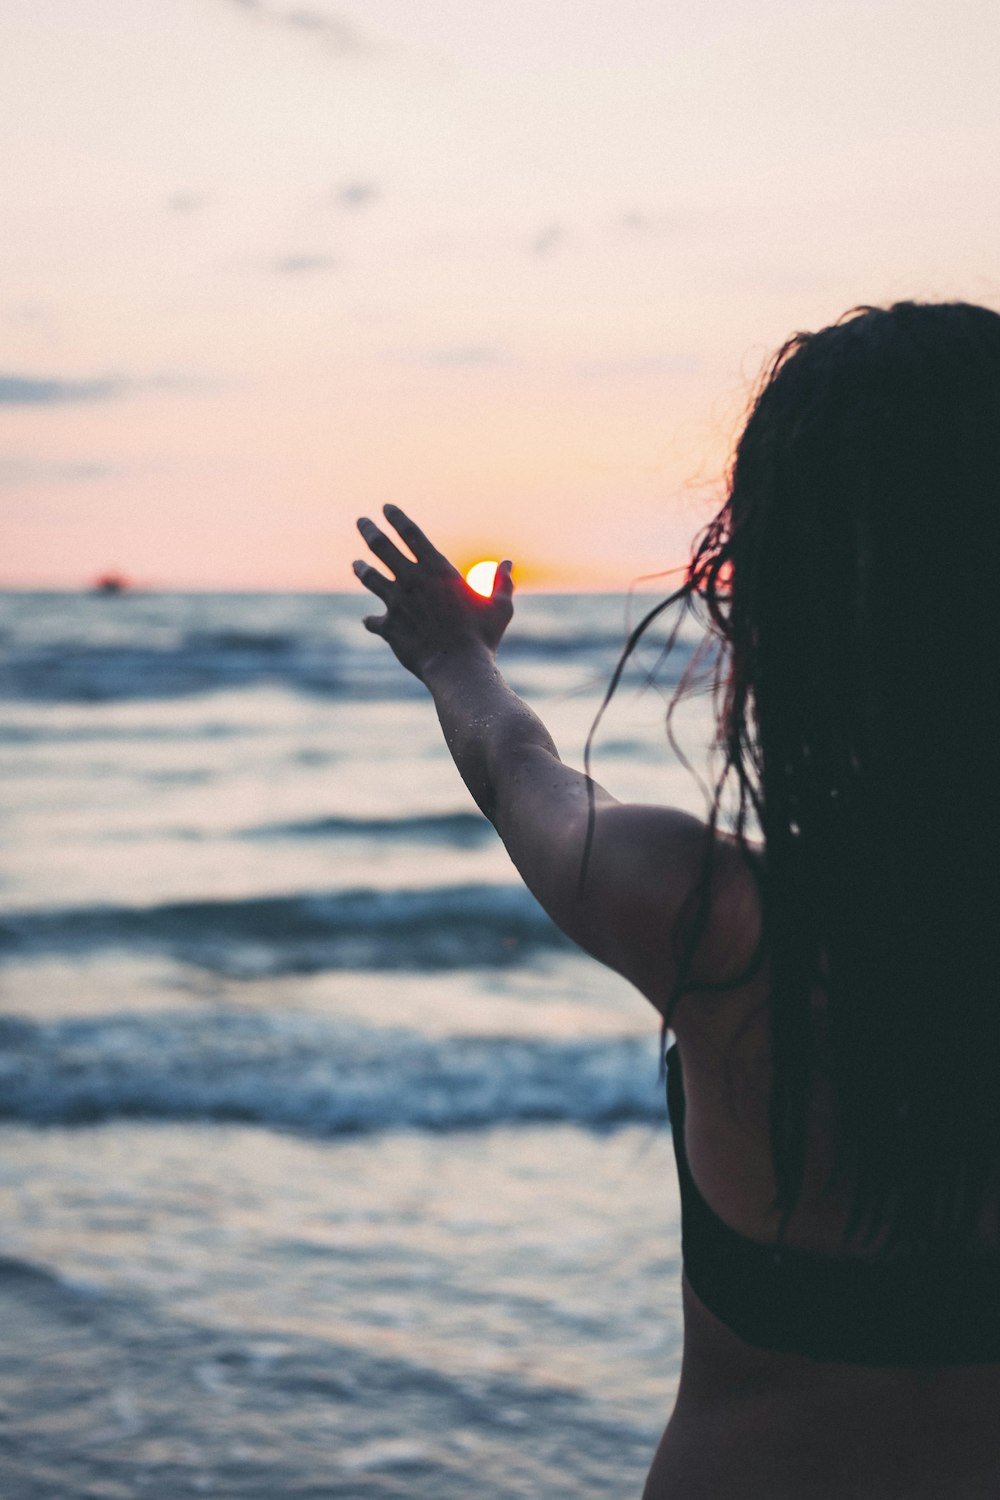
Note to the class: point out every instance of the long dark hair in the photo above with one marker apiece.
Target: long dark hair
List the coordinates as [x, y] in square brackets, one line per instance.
[851, 580]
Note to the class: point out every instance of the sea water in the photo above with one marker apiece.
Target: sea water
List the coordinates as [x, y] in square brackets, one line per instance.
[329, 1168]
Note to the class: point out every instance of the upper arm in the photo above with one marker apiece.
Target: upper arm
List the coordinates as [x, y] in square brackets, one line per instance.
[642, 869]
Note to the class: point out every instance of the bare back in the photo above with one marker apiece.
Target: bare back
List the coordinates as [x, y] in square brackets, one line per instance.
[750, 1422]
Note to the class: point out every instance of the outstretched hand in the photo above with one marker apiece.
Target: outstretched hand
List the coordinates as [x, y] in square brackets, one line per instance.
[429, 607]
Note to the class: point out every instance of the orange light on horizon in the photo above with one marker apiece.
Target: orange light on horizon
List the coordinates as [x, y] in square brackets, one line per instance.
[480, 577]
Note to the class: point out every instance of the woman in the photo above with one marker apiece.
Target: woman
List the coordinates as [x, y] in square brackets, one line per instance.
[833, 988]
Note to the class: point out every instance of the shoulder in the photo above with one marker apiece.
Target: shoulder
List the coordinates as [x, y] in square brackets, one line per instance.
[670, 889]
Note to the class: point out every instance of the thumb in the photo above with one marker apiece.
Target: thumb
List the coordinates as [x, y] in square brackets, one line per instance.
[503, 583]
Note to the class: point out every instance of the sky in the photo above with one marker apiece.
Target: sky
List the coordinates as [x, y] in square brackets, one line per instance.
[267, 264]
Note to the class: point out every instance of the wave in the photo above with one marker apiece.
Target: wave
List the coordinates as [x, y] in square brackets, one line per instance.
[103, 674]
[307, 1074]
[442, 927]
[159, 652]
[24, 1274]
[81, 673]
[459, 829]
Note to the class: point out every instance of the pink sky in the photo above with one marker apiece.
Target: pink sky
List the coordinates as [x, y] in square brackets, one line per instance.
[267, 265]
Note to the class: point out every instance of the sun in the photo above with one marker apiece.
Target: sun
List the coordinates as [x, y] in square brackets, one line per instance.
[480, 577]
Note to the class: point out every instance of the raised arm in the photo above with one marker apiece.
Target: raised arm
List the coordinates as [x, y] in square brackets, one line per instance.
[643, 862]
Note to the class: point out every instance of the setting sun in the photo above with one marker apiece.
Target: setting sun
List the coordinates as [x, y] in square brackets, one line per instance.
[480, 577]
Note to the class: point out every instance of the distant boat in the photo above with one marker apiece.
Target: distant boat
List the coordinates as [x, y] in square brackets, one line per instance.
[111, 583]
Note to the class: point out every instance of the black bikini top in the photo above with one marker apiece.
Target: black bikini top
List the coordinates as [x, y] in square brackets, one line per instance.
[918, 1309]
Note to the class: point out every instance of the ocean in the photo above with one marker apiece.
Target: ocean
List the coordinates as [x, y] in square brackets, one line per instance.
[329, 1168]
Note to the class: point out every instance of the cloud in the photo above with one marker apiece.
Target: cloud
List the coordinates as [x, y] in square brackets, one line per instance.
[25, 473]
[186, 202]
[26, 314]
[34, 390]
[335, 32]
[188, 383]
[652, 226]
[547, 239]
[30, 390]
[302, 265]
[338, 34]
[357, 194]
[460, 357]
[641, 366]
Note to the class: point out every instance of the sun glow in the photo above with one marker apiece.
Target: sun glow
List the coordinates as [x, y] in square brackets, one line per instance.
[480, 577]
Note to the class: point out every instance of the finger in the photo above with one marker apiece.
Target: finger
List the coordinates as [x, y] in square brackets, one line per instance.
[503, 583]
[384, 549]
[373, 580]
[374, 623]
[422, 548]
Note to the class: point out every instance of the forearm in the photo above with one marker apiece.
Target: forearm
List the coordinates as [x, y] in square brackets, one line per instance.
[447, 635]
[486, 726]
